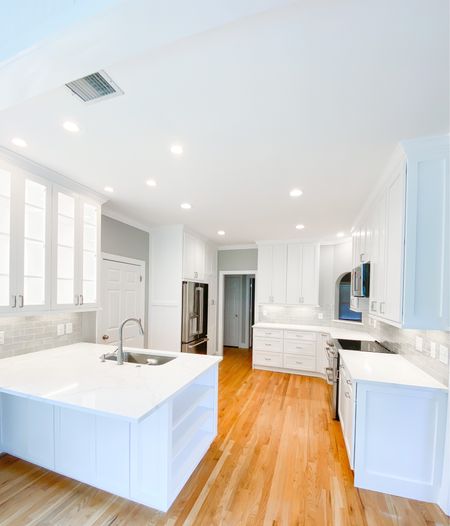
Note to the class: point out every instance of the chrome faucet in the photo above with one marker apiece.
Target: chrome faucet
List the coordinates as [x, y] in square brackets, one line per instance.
[120, 348]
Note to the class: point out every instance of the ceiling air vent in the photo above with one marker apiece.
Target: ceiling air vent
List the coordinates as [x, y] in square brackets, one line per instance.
[94, 87]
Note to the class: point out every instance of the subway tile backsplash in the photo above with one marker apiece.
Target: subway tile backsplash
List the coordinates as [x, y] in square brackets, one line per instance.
[402, 341]
[25, 334]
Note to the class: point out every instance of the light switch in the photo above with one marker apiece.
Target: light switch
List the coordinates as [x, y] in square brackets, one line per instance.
[2, 337]
[69, 328]
[443, 354]
[433, 349]
[320, 316]
[419, 343]
[60, 329]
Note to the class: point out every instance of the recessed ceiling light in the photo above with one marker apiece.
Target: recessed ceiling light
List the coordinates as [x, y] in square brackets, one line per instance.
[186, 206]
[17, 141]
[299, 227]
[176, 149]
[71, 126]
[151, 182]
[295, 192]
[340, 234]
[221, 232]
[109, 189]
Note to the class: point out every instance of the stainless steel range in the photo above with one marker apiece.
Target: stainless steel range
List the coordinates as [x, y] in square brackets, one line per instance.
[333, 348]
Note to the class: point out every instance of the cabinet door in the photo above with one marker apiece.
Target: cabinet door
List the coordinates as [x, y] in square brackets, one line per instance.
[200, 256]
[374, 260]
[189, 256]
[89, 254]
[294, 274]
[33, 243]
[66, 275]
[346, 412]
[7, 263]
[395, 198]
[310, 275]
[380, 268]
[264, 277]
[279, 274]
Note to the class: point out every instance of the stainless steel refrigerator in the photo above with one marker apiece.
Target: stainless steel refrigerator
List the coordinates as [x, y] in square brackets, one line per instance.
[194, 321]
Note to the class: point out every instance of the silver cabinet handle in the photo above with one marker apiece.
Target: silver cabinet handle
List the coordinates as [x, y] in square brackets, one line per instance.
[268, 359]
[347, 395]
[373, 306]
[81, 299]
[382, 307]
[20, 301]
[268, 344]
[361, 257]
[14, 302]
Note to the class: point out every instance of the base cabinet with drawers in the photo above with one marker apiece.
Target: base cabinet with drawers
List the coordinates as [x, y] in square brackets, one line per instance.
[287, 350]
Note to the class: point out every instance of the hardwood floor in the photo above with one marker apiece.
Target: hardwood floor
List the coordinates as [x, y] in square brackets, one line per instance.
[279, 460]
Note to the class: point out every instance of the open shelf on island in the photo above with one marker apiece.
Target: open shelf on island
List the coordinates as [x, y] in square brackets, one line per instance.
[198, 420]
[188, 401]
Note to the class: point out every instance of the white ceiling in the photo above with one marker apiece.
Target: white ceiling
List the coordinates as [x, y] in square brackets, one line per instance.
[313, 95]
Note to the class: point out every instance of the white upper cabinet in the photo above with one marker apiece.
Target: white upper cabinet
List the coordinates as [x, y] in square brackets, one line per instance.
[25, 241]
[75, 263]
[302, 281]
[410, 246]
[271, 280]
[194, 257]
[49, 244]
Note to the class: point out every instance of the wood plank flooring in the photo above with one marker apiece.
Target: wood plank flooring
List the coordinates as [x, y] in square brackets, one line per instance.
[279, 460]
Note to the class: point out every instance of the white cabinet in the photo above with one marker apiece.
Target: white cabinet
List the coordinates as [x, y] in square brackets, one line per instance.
[271, 281]
[194, 257]
[49, 244]
[346, 411]
[302, 282]
[409, 224]
[76, 250]
[25, 241]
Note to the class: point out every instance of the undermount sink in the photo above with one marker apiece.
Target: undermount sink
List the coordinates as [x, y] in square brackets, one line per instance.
[142, 358]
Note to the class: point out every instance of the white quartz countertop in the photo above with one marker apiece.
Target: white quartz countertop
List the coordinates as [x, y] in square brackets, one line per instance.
[74, 375]
[386, 368]
[334, 332]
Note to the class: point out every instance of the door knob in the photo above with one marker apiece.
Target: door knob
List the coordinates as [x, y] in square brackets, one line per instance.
[105, 337]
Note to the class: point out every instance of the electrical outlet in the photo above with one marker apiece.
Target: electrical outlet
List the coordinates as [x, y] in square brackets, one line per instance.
[69, 328]
[320, 316]
[2, 337]
[419, 343]
[433, 349]
[443, 354]
[60, 329]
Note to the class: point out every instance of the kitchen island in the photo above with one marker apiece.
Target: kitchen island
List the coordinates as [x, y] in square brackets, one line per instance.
[137, 431]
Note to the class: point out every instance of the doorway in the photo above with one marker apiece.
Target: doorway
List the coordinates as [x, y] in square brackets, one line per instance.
[236, 309]
[123, 296]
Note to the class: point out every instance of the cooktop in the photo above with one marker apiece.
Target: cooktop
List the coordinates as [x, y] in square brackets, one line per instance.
[363, 345]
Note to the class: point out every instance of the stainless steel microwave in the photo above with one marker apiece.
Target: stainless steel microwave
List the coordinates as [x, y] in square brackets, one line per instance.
[361, 281]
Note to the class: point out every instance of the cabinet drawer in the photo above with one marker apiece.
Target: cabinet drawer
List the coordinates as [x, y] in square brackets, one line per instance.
[301, 363]
[300, 335]
[263, 344]
[268, 359]
[303, 348]
[268, 333]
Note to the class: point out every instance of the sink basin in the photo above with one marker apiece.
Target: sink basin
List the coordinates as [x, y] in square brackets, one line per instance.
[142, 358]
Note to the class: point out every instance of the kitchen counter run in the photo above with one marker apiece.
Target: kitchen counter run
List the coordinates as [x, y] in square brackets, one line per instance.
[334, 332]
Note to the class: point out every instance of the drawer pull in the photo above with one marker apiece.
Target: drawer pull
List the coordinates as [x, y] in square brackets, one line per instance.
[299, 347]
[268, 359]
[299, 363]
[268, 344]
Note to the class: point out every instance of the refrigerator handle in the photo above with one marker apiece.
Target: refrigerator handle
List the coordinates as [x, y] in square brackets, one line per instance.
[201, 307]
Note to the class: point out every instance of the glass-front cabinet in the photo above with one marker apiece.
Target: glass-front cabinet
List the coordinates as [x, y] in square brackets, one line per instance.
[25, 241]
[75, 261]
[49, 245]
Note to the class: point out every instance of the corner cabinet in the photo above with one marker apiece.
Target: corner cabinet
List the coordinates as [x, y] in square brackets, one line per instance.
[409, 221]
[49, 244]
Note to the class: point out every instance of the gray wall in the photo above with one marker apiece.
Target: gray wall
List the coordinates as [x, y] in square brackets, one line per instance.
[127, 241]
[241, 259]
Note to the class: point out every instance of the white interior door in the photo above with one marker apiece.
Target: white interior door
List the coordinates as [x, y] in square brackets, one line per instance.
[122, 298]
[232, 311]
